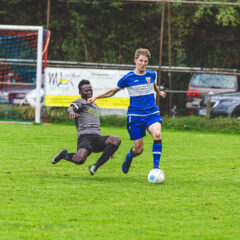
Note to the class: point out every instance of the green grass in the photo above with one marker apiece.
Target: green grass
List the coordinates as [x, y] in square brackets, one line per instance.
[38, 200]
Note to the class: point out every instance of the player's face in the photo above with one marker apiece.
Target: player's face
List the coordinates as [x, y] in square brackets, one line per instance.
[141, 64]
[86, 91]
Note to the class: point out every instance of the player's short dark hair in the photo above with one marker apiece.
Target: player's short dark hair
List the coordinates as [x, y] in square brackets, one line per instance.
[83, 82]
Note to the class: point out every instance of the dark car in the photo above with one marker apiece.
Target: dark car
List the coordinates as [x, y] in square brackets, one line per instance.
[222, 104]
[201, 84]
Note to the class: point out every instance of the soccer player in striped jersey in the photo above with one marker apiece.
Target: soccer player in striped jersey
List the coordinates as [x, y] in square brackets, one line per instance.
[142, 113]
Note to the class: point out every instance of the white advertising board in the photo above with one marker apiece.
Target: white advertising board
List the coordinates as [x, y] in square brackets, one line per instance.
[61, 86]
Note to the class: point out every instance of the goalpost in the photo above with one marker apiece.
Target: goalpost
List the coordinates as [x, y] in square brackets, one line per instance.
[22, 50]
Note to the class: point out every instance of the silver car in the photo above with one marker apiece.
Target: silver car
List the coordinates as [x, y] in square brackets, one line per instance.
[201, 84]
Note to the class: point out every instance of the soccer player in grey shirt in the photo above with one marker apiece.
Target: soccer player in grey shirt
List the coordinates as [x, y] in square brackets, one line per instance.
[89, 135]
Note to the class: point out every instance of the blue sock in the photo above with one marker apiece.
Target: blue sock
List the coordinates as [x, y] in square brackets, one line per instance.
[157, 151]
[129, 154]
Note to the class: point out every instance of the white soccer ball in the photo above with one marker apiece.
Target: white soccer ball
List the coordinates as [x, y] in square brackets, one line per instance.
[156, 176]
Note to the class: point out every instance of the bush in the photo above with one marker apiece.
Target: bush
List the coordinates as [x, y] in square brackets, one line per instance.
[57, 115]
[220, 124]
[16, 112]
[60, 115]
[196, 123]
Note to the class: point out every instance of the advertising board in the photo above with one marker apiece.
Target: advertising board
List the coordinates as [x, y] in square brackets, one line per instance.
[61, 86]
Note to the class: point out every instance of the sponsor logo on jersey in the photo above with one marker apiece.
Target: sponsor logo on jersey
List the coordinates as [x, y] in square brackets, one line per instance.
[140, 90]
[92, 112]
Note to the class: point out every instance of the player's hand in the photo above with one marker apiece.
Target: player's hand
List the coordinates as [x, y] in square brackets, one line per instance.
[91, 100]
[73, 115]
[162, 94]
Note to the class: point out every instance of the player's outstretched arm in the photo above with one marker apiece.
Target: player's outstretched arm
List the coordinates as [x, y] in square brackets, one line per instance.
[160, 93]
[72, 113]
[107, 94]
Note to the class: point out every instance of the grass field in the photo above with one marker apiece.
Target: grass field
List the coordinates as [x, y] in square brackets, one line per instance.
[38, 200]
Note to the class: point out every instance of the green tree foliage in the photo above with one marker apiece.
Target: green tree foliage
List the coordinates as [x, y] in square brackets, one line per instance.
[208, 35]
[22, 12]
[110, 31]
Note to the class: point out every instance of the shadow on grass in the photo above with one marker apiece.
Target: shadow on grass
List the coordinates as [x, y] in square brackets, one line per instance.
[98, 179]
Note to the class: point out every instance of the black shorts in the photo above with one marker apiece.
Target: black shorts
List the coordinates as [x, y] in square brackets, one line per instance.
[92, 142]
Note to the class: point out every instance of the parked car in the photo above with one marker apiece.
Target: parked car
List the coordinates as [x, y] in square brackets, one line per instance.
[222, 104]
[14, 88]
[14, 94]
[201, 84]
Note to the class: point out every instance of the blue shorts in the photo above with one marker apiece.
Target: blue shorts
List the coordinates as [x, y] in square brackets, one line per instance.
[137, 125]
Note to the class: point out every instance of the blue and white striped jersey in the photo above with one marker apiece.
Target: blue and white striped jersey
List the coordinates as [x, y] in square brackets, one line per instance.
[141, 91]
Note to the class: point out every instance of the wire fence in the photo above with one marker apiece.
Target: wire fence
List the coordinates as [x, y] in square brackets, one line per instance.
[176, 100]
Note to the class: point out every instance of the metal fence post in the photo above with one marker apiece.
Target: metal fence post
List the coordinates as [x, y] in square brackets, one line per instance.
[209, 104]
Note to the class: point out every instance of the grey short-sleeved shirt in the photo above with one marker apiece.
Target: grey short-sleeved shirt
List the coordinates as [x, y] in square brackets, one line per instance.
[88, 122]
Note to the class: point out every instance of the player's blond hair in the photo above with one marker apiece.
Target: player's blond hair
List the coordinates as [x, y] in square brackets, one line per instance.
[142, 51]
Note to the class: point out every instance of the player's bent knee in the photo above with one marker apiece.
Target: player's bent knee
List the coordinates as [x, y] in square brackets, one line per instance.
[113, 140]
[157, 136]
[117, 141]
[80, 161]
